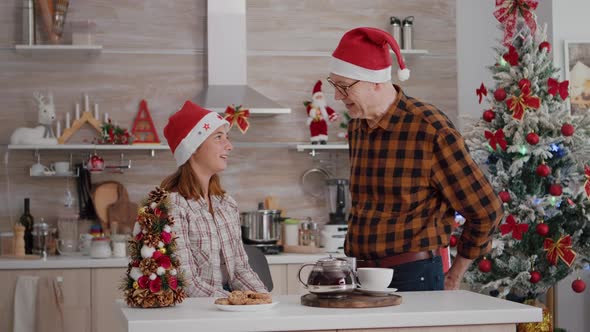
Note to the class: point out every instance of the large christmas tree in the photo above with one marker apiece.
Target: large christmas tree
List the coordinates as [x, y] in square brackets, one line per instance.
[533, 151]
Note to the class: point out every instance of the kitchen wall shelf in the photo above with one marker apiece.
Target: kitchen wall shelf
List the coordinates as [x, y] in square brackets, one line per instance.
[413, 52]
[53, 174]
[330, 146]
[152, 148]
[314, 148]
[58, 49]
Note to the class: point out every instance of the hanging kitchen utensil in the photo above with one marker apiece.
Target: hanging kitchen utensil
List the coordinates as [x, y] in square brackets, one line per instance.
[103, 195]
[122, 212]
[313, 182]
[84, 186]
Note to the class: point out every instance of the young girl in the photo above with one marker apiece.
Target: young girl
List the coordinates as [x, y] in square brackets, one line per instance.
[207, 221]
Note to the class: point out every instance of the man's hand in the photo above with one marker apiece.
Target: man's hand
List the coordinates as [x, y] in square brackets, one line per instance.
[455, 274]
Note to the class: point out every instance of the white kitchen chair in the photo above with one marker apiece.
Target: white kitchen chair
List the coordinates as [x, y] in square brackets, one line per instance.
[259, 264]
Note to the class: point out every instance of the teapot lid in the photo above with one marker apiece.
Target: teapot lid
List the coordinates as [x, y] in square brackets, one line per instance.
[332, 262]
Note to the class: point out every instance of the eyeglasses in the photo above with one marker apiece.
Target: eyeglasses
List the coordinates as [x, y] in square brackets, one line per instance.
[343, 89]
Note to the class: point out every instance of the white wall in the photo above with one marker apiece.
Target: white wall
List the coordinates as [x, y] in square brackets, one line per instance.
[476, 33]
[570, 22]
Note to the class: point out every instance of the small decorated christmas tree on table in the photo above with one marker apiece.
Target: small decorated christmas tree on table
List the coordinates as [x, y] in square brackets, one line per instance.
[153, 276]
[534, 153]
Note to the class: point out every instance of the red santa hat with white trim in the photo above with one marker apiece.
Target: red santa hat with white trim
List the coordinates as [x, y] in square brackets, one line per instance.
[363, 54]
[317, 87]
[188, 128]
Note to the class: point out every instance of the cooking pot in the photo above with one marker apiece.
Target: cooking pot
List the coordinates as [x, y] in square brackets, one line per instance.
[330, 277]
[261, 227]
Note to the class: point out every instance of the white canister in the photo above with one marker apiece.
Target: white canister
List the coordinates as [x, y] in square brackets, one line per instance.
[291, 230]
[100, 247]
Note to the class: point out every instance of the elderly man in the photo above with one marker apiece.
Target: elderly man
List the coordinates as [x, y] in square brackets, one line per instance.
[410, 172]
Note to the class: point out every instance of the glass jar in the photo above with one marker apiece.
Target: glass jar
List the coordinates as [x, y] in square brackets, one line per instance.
[119, 245]
[291, 230]
[100, 247]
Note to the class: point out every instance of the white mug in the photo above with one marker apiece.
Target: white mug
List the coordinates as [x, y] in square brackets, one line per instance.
[61, 167]
[39, 169]
[374, 278]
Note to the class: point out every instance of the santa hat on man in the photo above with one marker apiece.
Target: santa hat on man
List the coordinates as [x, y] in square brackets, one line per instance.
[363, 54]
[188, 128]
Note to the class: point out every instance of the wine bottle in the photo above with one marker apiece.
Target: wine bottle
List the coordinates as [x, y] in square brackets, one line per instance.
[27, 220]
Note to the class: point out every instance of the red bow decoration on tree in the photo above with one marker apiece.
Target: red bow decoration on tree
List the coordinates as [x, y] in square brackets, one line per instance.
[511, 225]
[519, 104]
[238, 116]
[560, 249]
[496, 138]
[587, 183]
[481, 91]
[512, 56]
[507, 13]
[554, 86]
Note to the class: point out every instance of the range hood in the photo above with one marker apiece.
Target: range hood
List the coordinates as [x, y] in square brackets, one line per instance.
[227, 62]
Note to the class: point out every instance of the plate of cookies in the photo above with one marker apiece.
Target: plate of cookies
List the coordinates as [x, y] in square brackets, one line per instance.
[245, 301]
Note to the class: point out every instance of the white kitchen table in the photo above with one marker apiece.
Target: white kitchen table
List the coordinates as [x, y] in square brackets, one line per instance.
[433, 311]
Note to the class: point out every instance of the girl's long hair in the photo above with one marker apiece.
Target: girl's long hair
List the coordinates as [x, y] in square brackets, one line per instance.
[184, 181]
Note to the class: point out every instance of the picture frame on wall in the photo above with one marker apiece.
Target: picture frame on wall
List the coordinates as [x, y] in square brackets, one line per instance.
[577, 71]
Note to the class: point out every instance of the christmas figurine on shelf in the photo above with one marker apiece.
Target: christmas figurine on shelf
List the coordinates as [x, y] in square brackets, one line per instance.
[533, 151]
[42, 134]
[113, 134]
[318, 115]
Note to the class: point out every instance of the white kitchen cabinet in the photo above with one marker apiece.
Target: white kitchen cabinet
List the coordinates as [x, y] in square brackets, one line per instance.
[76, 294]
[278, 273]
[105, 290]
[294, 286]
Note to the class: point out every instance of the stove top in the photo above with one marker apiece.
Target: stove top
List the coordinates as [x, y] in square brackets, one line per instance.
[268, 249]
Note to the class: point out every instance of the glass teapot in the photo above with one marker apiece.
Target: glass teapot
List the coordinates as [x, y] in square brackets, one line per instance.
[330, 277]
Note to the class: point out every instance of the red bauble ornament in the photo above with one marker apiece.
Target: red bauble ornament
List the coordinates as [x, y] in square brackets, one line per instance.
[504, 196]
[555, 190]
[453, 241]
[95, 163]
[485, 265]
[567, 130]
[489, 115]
[532, 138]
[500, 94]
[578, 285]
[542, 229]
[543, 170]
[535, 277]
[546, 45]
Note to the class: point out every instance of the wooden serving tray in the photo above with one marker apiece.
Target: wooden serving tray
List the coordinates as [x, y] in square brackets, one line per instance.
[352, 301]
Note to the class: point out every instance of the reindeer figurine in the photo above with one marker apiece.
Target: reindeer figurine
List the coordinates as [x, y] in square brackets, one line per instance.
[42, 134]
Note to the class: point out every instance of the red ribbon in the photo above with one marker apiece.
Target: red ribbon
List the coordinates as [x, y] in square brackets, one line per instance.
[519, 104]
[496, 138]
[554, 87]
[482, 91]
[512, 56]
[587, 183]
[507, 13]
[511, 225]
[237, 116]
[560, 249]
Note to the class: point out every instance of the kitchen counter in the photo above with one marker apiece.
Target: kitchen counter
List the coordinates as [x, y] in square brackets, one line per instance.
[80, 262]
[437, 310]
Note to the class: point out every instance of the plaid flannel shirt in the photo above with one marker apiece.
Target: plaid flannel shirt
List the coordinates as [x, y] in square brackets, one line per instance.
[408, 176]
[201, 240]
